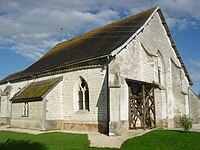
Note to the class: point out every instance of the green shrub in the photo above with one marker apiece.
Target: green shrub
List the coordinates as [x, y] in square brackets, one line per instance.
[186, 123]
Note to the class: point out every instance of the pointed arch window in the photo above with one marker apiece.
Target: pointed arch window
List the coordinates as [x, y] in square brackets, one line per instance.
[83, 94]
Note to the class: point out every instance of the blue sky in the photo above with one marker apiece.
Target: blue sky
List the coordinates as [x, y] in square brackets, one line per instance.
[29, 28]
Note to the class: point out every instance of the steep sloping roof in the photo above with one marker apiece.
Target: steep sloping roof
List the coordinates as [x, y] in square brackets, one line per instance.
[96, 43]
[35, 91]
[11, 77]
[102, 42]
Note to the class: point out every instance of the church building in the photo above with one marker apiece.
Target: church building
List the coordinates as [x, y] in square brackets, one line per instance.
[125, 75]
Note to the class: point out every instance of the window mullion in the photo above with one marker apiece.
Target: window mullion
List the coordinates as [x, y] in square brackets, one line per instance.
[83, 99]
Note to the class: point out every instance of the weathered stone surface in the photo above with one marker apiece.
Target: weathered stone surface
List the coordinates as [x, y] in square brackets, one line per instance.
[102, 128]
[194, 101]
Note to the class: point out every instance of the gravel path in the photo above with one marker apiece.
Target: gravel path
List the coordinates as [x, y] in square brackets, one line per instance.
[101, 140]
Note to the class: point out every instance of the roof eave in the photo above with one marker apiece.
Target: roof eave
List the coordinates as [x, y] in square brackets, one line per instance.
[51, 71]
[33, 99]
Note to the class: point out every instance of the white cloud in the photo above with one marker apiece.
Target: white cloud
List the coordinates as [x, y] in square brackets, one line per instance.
[180, 8]
[30, 28]
[195, 70]
[195, 76]
[137, 10]
[30, 51]
[195, 64]
[179, 24]
[181, 13]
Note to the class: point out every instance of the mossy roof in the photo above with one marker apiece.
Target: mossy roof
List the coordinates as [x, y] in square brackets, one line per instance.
[93, 44]
[96, 43]
[36, 91]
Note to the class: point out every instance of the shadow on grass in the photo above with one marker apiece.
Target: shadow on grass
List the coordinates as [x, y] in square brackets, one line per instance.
[180, 131]
[22, 145]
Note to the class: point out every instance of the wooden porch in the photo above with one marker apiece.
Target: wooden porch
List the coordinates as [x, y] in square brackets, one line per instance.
[142, 113]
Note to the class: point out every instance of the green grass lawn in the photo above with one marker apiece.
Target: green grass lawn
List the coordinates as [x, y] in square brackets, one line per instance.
[155, 140]
[165, 140]
[46, 141]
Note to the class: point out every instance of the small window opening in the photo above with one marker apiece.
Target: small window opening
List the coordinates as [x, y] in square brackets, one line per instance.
[26, 109]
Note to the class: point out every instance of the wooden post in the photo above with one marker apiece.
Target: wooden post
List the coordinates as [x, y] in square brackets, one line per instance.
[129, 103]
[144, 107]
[147, 107]
[154, 109]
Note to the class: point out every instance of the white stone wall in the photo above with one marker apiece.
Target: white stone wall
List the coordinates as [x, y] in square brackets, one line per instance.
[35, 118]
[140, 60]
[96, 80]
[62, 102]
[179, 98]
[54, 103]
[194, 102]
[155, 38]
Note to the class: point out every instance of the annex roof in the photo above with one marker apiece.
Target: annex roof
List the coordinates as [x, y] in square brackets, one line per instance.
[35, 91]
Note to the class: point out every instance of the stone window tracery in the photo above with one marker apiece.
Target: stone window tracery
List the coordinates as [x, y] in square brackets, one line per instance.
[83, 95]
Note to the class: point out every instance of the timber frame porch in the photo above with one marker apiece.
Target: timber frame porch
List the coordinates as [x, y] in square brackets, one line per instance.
[142, 113]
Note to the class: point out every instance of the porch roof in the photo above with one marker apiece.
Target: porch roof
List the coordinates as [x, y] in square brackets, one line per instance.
[132, 82]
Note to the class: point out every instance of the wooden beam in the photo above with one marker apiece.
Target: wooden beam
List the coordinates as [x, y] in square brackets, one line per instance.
[144, 107]
[154, 109]
[129, 113]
